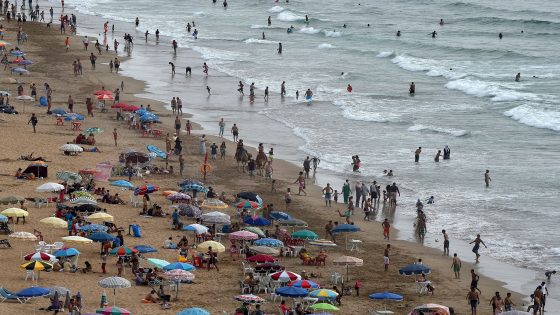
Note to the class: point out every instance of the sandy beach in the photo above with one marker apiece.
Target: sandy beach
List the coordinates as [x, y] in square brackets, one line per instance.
[211, 290]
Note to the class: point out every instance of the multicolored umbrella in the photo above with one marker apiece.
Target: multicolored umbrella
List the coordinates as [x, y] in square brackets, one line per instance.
[69, 176]
[285, 276]
[194, 187]
[26, 236]
[305, 235]
[243, 236]
[178, 197]
[179, 275]
[36, 265]
[113, 310]
[324, 294]
[39, 256]
[83, 201]
[306, 284]
[270, 242]
[215, 217]
[123, 251]
[122, 183]
[249, 298]
[188, 210]
[145, 189]
[92, 130]
[105, 97]
[261, 258]
[247, 204]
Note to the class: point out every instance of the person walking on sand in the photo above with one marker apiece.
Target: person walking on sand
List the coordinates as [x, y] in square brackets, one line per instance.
[67, 43]
[301, 181]
[235, 132]
[508, 303]
[417, 154]
[288, 198]
[222, 126]
[477, 241]
[445, 243]
[177, 126]
[346, 191]
[487, 178]
[33, 120]
[327, 191]
[386, 257]
[179, 106]
[474, 280]
[456, 266]
[188, 127]
[473, 299]
[115, 136]
[386, 228]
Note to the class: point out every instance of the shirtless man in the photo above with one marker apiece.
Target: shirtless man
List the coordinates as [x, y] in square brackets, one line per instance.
[487, 178]
[283, 88]
[301, 183]
[417, 154]
[445, 243]
[474, 280]
[456, 266]
[473, 299]
[477, 241]
[327, 191]
[386, 229]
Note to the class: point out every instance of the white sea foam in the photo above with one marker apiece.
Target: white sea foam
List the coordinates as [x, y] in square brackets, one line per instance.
[449, 131]
[276, 9]
[325, 46]
[309, 30]
[385, 54]
[288, 16]
[432, 67]
[265, 26]
[488, 89]
[534, 117]
[218, 54]
[332, 33]
[258, 41]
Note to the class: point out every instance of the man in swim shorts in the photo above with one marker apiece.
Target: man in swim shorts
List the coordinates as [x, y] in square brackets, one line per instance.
[327, 191]
[456, 266]
[473, 299]
[477, 241]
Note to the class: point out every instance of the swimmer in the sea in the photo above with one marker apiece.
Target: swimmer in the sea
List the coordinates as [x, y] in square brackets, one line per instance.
[308, 94]
[500, 35]
[398, 33]
[263, 37]
[434, 33]
[297, 95]
[208, 89]
[344, 25]
[306, 19]
[225, 3]
[269, 21]
[412, 88]
[518, 77]
[349, 88]
[172, 68]
[279, 48]
[440, 21]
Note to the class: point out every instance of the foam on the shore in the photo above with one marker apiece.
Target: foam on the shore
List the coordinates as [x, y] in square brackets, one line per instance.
[534, 117]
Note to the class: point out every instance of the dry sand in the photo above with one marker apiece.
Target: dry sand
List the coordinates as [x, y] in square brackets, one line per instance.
[211, 290]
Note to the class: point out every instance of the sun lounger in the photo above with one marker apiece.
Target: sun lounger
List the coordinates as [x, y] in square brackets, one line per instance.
[6, 295]
[5, 243]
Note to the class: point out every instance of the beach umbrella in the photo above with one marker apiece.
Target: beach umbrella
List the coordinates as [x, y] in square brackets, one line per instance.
[324, 307]
[189, 181]
[105, 97]
[113, 310]
[102, 92]
[119, 105]
[100, 217]
[153, 149]
[32, 292]
[145, 189]
[270, 242]
[25, 236]
[285, 276]
[168, 192]
[130, 108]
[216, 247]
[179, 266]
[256, 221]
[215, 217]
[213, 203]
[324, 294]
[292, 223]
[268, 267]
[247, 204]
[193, 311]
[57, 289]
[197, 228]
[158, 263]
[19, 70]
[345, 228]
[261, 258]
[292, 292]
[11, 200]
[3, 218]
[36, 265]
[265, 250]
[305, 235]
[323, 243]
[77, 239]
[122, 183]
[515, 313]
[49, 187]
[250, 196]
[83, 201]
[178, 197]
[92, 130]
[249, 298]
[92, 228]
[73, 117]
[415, 269]
[433, 308]
[243, 236]
[69, 176]
[67, 252]
[88, 208]
[69, 147]
[144, 249]
[39, 256]
[279, 215]
[348, 261]
[194, 187]
[58, 111]
[114, 283]
[55, 222]
[255, 230]
[179, 275]
[190, 211]
[386, 296]
[17, 53]
[122, 251]
[14, 213]
[306, 284]
[101, 237]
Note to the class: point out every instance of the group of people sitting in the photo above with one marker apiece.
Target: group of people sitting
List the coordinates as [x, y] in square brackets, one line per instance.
[82, 139]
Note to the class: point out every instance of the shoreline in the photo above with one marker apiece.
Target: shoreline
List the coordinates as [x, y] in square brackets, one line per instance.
[289, 166]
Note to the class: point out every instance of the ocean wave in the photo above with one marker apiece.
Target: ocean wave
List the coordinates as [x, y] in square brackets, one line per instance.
[325, 46]
[448, 131]
[199, 13]
[309, 30]
[276, 9]
[385, 54]
[258, 41]
[332, 33]
[534, 117]
[488, 89]
[485, 20]
[288, 16]
[432, 67]
[218, 54]
[266, 26]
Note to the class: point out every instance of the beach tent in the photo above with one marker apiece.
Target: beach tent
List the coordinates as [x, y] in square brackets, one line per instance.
[38, 168]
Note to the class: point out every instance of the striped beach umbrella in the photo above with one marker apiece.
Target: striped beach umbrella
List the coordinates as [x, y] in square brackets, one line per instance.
[39, 256]
[324, 294]
[122, 251]
[306, 284]
[285, 276]
[36, 265]
[247, 204]
[249, 298]
[145, 189]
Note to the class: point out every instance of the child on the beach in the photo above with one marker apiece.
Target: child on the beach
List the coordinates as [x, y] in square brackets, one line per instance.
[273, 186]
[335, 196]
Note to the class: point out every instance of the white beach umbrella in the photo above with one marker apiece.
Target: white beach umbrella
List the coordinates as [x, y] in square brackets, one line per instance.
[197, 228]
[49, 187]
[215, 217]
[70, 147]
[114, 283]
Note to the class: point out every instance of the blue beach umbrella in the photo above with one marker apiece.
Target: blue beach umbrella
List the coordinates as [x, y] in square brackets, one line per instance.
[194, 311]
[58, 111]
[386, 296]
[17, 53]
[187, 182]
[158, 152]
[33, 292]
[305, 235]
[66, 252]
[279, 215]
[122, 183]
[415, 269]
[73, 116]
[291, 292]
[256, 221]
[93, 228]
[101, 237]
[144, 249]
[194, 187]
[179, 266]
[19, 70]
[345, 228]
[3, 218]
[26, 62]
[270, 242]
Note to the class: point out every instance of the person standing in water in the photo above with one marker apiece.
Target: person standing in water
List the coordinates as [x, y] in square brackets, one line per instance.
[279, 48]
[269, 21]
[445, 243]
[446, 153]
[441, 22]
[157, 34]
[205, 68]
[487, 178]
[174, 44]
[438, 154]
[283, 88]
[398, 33]
[308, 95]
[477, 241]
[263, 37]
[518, 77]
[500, 35]
[412, 88]
[137, 21]
[266, 94]
[417, 154]
[222, 125]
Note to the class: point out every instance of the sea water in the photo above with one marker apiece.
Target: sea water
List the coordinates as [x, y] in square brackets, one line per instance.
[466, 98]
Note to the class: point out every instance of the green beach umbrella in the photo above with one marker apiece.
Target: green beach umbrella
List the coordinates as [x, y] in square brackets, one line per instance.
[94, 130]
[158, 263]
[305, 235]
[324, 307]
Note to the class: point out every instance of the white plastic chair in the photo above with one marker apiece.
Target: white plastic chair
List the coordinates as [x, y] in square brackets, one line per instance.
[30, 273]
[336, 278]
[247, 268]
[41, 245]
[134, 201]
[58, 245]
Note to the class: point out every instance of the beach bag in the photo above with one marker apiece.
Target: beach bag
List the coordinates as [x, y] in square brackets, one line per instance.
[43, 101]
[136, 231]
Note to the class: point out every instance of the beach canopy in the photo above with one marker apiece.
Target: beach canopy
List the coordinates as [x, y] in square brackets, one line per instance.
[67, 252]
[215, 217]
[386, 296]
[33, 292]
[179, 266]
[306, 284]
[285, 276]
[193, 311]
[122, 183]
[415, 269]
[157, 151]
[270, 242]
[261, 259]
[144, 249]
[345, 228]
[243, 236]
[291, 292]
[14, 213]
[11, 200]
[256, 221]
[195, 227]
[305, 235]
[216, 247]
[213, 203]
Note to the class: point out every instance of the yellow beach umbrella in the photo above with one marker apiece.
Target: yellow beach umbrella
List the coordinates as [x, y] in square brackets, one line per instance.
[15, 213]
[213, 203]
[77, 239]
[55, 222]
[36, 265]
[100, 217]
[216, 247]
